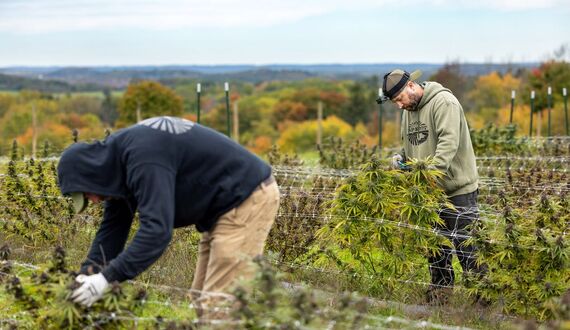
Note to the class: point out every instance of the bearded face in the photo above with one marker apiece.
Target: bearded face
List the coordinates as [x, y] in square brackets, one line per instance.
[413, 100]
[408, 99]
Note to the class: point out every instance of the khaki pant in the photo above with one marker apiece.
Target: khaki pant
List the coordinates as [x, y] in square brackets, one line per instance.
[225, 252]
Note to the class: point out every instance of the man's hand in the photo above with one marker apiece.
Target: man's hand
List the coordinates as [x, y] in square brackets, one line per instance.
[91, 290]
[396, 161]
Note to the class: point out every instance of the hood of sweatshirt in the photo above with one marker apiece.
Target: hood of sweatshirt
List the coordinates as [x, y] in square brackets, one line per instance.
[92, 168]
[431, 89]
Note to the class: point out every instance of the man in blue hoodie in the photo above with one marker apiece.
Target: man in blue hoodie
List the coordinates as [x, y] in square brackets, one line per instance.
[175, 173]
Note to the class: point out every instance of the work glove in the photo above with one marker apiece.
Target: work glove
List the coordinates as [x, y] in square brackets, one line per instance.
[91, 290]
[397, 161]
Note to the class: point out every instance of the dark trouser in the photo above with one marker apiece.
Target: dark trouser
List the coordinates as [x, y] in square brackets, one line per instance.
[456, 227]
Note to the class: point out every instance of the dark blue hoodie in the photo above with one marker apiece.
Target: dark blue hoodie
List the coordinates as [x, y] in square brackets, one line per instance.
[173, 171]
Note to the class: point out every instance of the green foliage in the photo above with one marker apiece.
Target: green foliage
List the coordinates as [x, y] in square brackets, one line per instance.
[55, 117]
[277, 158]
[303, 136]
[150, 99]
[382, 223]
[555, 74]
[529, 258]
[29, 208]
[42, 299]
[503, 141]
[6, 101]
[335, 153]
[493, 140]
[300, 209]
[361, 101]
[270, 306]
[109, 111]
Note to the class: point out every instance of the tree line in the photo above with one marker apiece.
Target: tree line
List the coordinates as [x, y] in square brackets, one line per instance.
[278, 112]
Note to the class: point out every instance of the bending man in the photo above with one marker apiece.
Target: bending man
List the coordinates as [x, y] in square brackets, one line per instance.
[175, 173]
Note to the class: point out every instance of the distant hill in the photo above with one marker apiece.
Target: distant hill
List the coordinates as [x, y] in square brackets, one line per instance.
[16, 83]
[118, 77]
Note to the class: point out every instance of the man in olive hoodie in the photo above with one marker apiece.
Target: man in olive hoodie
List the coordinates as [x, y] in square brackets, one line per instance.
[433, 124]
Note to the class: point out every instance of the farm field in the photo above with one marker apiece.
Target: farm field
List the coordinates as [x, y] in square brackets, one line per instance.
[338, 98]
[347, 250]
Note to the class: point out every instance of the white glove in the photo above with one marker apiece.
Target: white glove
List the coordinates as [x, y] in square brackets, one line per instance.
[396, 159]
[91, 290]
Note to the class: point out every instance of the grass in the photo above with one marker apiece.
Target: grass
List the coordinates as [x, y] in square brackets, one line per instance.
[310, 158]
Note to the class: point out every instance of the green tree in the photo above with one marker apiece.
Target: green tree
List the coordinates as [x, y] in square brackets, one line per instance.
[150, 99]
[551, 73]
[6, 101]
[109, 113]
[555, 74]
[80, 104]
[359, 106]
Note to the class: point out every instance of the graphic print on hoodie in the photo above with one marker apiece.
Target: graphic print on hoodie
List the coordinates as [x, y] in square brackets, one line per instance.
[418, 133]
[173, 172]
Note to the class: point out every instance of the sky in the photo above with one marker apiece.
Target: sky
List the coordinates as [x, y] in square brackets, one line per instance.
[259, 32]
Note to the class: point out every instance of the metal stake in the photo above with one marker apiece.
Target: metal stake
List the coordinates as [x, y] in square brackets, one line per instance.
[227, 88]
[198, 91]
[565, 94]
[549, 108]
[531, 111]
[513, 93]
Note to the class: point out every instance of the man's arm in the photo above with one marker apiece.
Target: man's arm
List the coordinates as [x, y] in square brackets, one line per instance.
[111, 236]
[153, 187]
[447, 120]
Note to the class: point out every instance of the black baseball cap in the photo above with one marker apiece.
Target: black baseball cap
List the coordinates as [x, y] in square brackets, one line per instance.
[394, 82]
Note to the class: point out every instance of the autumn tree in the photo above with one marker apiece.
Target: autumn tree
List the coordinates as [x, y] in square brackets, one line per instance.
[302, 104]
[145, 99]
[492, 92]
[555, 74]
[450, 76]
[54, 120]
[302, 137]
[288, 110]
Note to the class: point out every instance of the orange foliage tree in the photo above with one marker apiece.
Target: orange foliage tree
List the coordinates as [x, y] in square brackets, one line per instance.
[491, 92]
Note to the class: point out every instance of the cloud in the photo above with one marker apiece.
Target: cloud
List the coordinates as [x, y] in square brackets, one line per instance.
[43, 16]
[506, 5]
[63, 15]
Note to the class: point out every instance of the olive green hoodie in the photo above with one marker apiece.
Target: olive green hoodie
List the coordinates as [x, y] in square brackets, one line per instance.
[438, 128]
